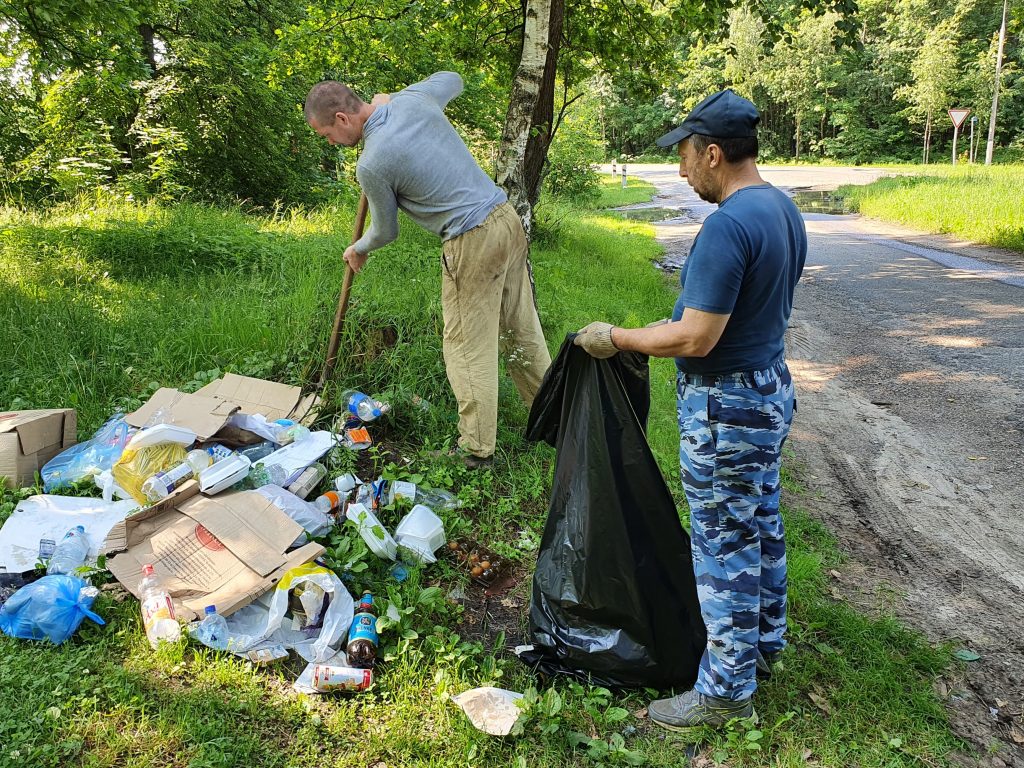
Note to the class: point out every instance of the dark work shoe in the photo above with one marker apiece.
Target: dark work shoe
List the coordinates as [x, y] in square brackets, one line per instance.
[692, 711]
[472, 461]
[768, 664]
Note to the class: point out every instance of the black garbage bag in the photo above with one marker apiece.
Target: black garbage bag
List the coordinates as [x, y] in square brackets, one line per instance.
[614, 598]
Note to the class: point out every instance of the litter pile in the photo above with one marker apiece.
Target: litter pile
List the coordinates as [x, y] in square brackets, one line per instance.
[207, 512]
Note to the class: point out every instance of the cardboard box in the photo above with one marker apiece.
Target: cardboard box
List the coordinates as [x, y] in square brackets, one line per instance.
[206, 411]
[270, 398]
[224, 551]
[29, 439]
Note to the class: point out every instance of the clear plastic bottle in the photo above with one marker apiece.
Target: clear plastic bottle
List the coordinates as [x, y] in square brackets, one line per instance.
[212, 631]
[163, 484]
[259, 451]
[363, 407]
[157, 609]
[264, 474]
[70, 552]
[308, 480]
[289, 431]
[437, 499]
[328, 502]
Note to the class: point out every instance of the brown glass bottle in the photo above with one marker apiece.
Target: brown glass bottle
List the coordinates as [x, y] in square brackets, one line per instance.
[362, 635]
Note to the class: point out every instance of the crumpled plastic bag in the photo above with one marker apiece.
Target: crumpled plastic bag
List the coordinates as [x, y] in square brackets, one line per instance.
[135, 467]
[51, 608]
[313, 521]
[491, 710]
[263, 623]
[95, 455]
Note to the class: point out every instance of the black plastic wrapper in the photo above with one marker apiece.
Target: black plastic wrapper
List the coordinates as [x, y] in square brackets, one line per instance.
[614, 599]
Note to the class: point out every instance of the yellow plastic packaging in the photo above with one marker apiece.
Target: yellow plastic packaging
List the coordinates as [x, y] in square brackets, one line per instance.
[136, 466]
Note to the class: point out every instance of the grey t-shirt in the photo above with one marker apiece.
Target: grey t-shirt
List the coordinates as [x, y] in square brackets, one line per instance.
[414, 160]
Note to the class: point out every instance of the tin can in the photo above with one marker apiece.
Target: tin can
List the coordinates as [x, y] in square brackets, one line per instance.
[330, 678]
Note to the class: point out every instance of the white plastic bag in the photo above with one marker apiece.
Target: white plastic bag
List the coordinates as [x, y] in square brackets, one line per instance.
[491, 710]
[315, 522]
[256, 625]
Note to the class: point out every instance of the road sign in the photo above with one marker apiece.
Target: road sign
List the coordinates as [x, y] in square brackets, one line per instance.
[958, 116]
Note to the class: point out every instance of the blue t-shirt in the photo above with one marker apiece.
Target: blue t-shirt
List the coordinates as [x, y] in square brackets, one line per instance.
[745, 262]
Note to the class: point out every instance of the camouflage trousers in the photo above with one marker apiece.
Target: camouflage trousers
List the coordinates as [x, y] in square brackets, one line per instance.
[731, 431]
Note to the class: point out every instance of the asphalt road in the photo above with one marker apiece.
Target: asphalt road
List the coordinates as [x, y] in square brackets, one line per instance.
[908, 356]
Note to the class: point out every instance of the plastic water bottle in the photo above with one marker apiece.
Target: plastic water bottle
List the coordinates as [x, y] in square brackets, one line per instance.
[157, 609]
[212, 631]
[328, 502]
[289, 431]
[259, 451]
[267, 474]
[163, 484]
[70, 552]
[361, 406]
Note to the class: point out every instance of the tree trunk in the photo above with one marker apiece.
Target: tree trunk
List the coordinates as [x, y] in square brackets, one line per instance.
[527, 132]
[990, 146]
[927, 137]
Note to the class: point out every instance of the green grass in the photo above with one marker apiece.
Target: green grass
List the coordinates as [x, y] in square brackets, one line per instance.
[613, 195]
[108, 300]
[975, 203]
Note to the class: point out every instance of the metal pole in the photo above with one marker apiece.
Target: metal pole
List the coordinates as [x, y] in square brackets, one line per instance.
[970, 146]
[956, 132]
[995, 93]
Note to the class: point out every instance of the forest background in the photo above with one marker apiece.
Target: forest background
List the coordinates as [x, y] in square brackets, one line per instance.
[184, 100]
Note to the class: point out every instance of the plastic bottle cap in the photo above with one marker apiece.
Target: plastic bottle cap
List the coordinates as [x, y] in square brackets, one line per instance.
[211, 609]
[80, 528]
[147, 570]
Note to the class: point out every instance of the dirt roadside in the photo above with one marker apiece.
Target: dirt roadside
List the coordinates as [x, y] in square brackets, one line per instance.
[909, 441]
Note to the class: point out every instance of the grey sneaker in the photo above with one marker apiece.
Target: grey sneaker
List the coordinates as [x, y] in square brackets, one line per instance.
[692, 711]
[768, 664]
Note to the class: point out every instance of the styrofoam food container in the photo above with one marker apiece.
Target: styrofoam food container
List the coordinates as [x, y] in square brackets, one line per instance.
[161, 433]
[225, 473]
[373, 532]
[417, 548]
[423, 525]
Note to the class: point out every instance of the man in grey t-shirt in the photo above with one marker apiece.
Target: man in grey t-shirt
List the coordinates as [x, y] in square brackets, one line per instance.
[413, 160]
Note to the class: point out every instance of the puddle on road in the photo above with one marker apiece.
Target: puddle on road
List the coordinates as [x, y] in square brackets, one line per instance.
[652, 214]
[820, 201]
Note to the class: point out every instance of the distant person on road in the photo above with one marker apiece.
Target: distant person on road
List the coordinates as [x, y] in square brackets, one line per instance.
[735, 403]
[413, 160]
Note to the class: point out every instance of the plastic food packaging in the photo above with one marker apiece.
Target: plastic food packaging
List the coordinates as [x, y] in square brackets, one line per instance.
[93, 457]
[491, 710]
[345, 483]
[374, 534]
[308, 480]
[421, 532]
[484, 566]
[161, 433]
[135, 467]
[51, 608]
[614, 596]
[224, 474]
[313, 520]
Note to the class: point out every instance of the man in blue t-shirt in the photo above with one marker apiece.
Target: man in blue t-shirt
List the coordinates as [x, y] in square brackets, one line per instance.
[735, 403]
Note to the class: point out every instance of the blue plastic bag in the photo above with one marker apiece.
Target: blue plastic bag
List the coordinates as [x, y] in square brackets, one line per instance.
[49, 609]
[97, 454]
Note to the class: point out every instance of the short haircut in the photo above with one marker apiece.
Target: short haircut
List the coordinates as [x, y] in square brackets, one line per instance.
[734, 150]
[327, 98]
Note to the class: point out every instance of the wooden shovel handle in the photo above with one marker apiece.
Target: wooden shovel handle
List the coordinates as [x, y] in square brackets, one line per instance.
[346, 289]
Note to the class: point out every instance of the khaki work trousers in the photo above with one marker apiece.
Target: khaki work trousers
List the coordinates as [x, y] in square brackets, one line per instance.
[487, 303]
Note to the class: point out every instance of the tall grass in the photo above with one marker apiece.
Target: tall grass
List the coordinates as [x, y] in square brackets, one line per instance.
[976, 203]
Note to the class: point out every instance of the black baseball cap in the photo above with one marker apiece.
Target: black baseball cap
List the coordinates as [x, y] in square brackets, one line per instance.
[723, 115]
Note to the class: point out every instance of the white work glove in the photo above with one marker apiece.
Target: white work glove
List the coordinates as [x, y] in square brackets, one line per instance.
[596, 340]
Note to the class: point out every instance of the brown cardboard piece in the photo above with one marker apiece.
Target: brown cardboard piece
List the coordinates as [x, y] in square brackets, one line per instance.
[225, 550]
[202, 415]
[29, 439]
[270, 398]
[207, 410]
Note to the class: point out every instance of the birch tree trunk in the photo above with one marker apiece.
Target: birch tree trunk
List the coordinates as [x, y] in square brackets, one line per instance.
[527, 132]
